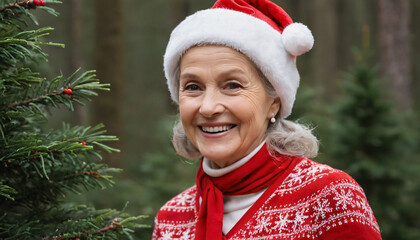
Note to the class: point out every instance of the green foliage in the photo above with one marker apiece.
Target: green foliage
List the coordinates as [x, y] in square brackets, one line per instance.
[163, 174]
[7, 191]
[153, 179]
[69, 222]
[39, 168]
[366, 114]
[369, 141]
[19, 46]
[14, 14]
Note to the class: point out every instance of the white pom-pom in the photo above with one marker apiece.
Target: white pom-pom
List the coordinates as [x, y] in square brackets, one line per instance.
[297, 39]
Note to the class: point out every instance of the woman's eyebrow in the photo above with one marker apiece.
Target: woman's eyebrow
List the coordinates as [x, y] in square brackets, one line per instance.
[231, 72]
[188, 76]
[225, 74]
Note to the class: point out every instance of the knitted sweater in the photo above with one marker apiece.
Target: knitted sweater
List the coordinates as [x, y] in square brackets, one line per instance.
[313, 201]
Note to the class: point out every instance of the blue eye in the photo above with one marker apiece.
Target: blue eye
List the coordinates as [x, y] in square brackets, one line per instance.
[233, 86]
[192, 87]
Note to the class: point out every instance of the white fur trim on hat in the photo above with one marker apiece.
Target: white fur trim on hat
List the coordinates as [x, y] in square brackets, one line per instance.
[244, 33]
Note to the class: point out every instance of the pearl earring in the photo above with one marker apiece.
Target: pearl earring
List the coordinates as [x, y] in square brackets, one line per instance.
[273, 119]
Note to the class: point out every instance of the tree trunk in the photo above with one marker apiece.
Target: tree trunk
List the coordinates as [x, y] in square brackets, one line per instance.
[75, 27]
[324, 54]
[394, 39]
[109, 63]
[179, 10]
[415, 58]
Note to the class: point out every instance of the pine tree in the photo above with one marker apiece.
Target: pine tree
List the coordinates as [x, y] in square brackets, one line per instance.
[370, 143]
[39, 167]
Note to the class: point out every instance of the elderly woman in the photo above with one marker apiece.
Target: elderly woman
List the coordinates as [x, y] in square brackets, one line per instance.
[232, 71]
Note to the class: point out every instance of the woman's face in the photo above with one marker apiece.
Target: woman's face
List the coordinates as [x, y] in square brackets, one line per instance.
[223, 103]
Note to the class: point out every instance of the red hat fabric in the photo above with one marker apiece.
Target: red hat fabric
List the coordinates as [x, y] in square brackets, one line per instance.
[265, 10]
[257, 28]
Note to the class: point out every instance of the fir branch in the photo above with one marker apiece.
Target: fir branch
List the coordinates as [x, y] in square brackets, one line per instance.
[26, 4]
[114, 225]
[23, 46]
[36, 152]
[94, 174]
[35, 100]
[31, 42]
[78, 89]
[7, 191]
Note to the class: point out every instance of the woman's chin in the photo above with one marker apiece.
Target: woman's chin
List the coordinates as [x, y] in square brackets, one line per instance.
[221, 154]
[217, 146]
[218, 156]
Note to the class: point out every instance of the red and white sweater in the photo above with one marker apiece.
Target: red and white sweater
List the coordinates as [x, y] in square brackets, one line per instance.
[314, 201]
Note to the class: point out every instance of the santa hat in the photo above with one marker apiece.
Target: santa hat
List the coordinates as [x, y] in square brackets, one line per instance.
[257, 28]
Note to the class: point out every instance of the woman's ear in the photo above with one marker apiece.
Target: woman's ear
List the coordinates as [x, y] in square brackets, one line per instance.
[275, 106]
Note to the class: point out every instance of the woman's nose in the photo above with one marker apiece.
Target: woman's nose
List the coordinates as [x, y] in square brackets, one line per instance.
[211, 104]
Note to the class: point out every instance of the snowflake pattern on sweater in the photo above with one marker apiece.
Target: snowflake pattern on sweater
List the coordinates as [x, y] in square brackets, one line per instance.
[314, 201]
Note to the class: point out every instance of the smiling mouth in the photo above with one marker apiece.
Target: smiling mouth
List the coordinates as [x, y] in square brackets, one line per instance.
[217, 129]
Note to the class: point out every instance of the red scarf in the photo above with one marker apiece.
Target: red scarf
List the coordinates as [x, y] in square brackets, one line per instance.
[258, 173]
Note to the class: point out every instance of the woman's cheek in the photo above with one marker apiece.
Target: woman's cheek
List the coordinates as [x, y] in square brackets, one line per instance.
[251, 103]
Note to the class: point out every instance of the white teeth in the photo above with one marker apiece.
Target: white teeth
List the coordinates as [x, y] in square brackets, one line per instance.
[216, 129]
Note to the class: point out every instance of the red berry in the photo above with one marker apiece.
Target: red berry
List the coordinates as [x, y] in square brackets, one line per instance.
[83, 143]
[68, 91]
[39, 2]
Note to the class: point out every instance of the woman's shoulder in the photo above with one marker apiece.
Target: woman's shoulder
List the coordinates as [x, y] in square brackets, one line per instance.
[180, 207]
[310, 181]
[317, 175]
[326, 200]
[176, 218]
[314, 201]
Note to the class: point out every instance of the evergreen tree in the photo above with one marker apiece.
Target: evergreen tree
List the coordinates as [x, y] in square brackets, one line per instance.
[38, 167]
[370, 143]
[163, 174]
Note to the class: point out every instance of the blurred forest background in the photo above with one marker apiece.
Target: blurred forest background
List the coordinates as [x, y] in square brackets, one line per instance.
[359, 90]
